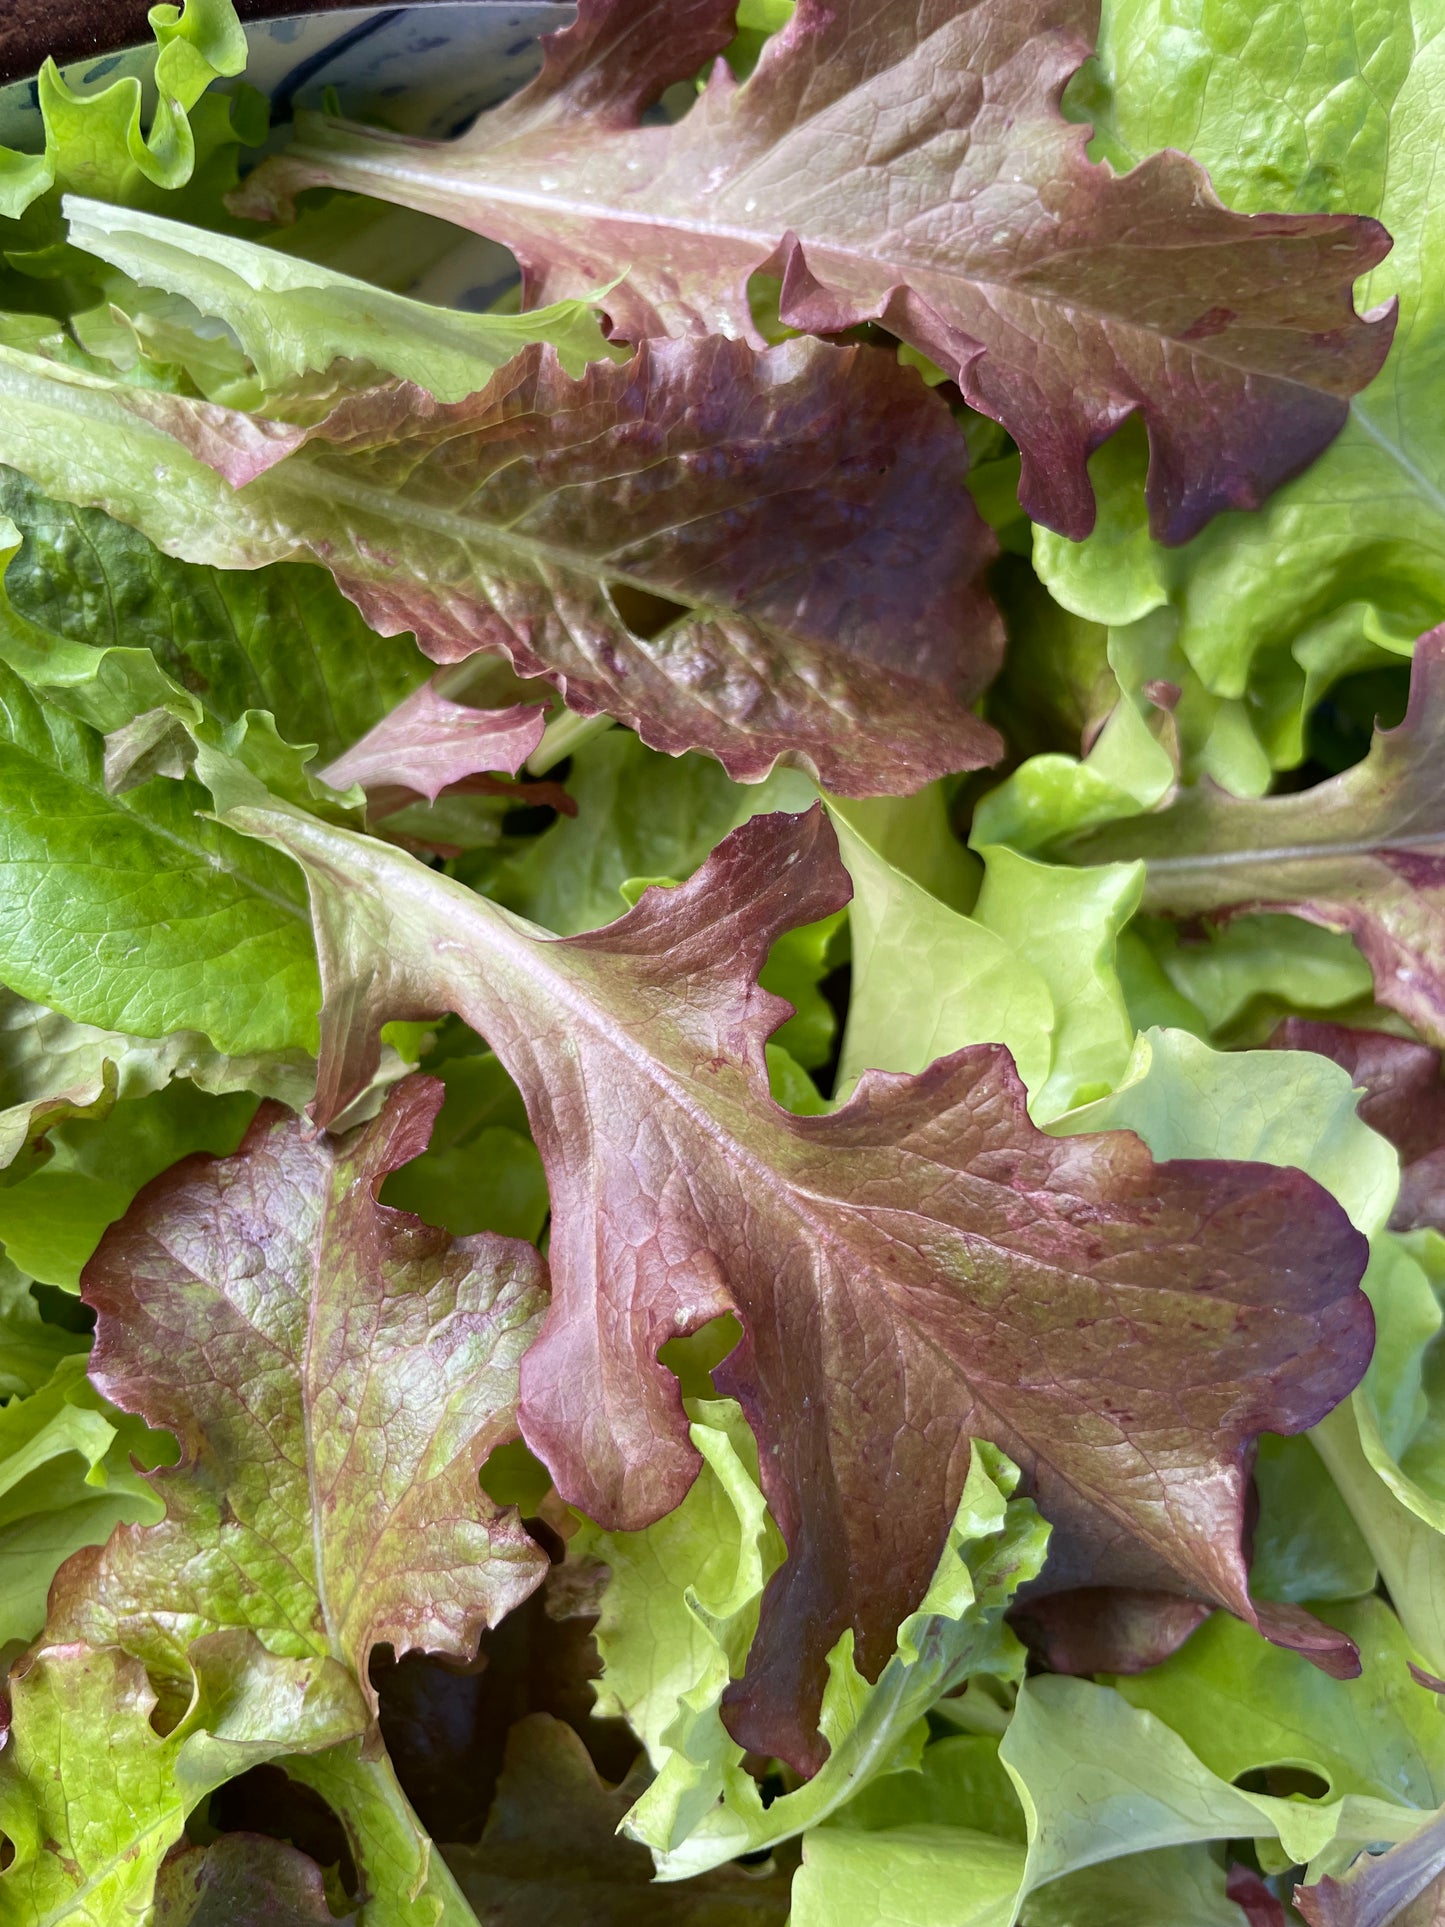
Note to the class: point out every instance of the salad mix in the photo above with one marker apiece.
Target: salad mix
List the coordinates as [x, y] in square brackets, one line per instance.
[722, 1149]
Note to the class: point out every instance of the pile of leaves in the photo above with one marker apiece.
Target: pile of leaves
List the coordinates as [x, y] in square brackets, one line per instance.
[722, 1149]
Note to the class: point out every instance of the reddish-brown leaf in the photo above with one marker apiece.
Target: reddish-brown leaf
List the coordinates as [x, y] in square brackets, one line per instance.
[906, 161]
[917, 1267]
[762, 556]
[1402, 1098]
[336, 1372]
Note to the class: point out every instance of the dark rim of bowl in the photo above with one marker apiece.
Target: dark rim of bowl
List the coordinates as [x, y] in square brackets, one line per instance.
[86, 29]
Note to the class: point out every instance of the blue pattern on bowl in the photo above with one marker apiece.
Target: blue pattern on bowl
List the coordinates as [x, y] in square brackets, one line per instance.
[423, 70]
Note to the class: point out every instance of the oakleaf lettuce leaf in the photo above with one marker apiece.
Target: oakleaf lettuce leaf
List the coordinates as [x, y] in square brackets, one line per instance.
[301, 1521]
[1060, 297]
[1185, 1099]
[428, 743]
[639, 814]
[309, 1521]
[1401, 1096]
[947, 1205]
[542, 517]
[1098, 1776]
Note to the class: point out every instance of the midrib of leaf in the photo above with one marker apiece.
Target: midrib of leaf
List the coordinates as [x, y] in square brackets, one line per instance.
[318, 1543]
[1431, 491]
[521, 947]
[522, 950]
[337, 488]
[764, 241]
[399, 1832]
[1284, 853]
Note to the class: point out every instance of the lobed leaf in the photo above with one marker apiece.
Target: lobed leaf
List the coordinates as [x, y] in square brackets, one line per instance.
[669, 1650]
[908, 164]
[915, 1267]
[796, 521]
[1402, 1098]
[1320, 106]
[279, 1321]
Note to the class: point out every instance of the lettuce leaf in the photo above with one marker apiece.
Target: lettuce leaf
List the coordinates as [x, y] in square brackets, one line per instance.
[88, 1845]
[1356, 853]
[1059, 297]
[1032, 968]
[549, 1792]
[1096, 1775]
[293, 317]
[1338, 106]
[1243, 1705]
[1403, 1885]
[1099, 1786]
[313, 1527]
[241, 1878]
[669, 1651]
[133, 913]
[761, 606]
[1401, 1097]
[653, 1086]
[68, 1475]
[428, 744]
[95, 143]
[639, 814]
